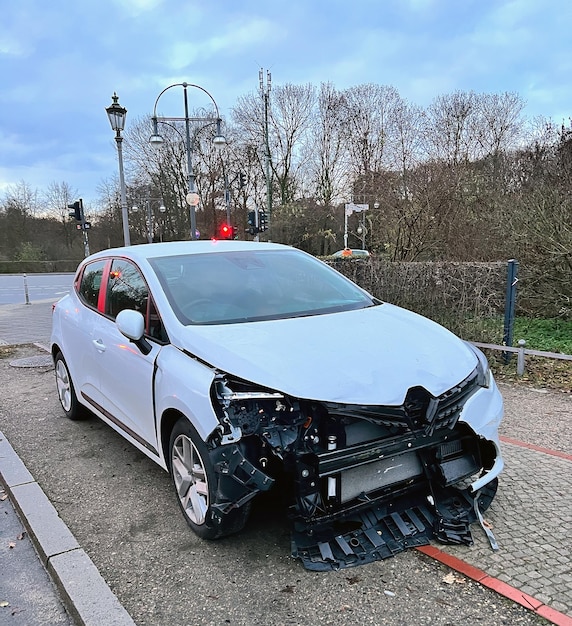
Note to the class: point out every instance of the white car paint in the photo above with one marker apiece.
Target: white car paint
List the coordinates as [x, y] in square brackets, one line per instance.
[367, 356]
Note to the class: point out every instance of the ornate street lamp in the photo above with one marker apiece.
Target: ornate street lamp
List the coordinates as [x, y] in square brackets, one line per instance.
[156, 139]
[117, 114]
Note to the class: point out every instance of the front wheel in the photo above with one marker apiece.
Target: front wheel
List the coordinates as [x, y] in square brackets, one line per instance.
[66, 392]
[195, 483]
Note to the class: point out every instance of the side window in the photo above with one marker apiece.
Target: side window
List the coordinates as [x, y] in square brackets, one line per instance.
[90, 283]
[126, 289]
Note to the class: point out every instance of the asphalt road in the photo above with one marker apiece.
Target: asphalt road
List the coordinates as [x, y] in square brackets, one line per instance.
[28, 288]
[120, 507]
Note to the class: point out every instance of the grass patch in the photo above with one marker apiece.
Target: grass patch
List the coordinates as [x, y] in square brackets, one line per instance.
[550, 335]
[547, 335]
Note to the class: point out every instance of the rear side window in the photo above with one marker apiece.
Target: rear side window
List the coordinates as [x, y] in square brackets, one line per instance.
[90, 283]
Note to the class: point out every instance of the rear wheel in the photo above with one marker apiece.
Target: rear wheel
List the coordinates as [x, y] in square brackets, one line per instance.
[195, 483]
[66, 392]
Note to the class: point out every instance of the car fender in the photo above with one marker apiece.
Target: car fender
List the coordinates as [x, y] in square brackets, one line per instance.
[484, 410]
[182, 382]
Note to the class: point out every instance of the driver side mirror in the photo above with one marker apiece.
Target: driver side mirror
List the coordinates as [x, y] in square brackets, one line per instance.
[131, 324]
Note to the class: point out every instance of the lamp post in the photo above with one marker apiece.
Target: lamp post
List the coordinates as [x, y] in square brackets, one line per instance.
[265, 92]
[156, 139]
[149, 218]
[116, 114]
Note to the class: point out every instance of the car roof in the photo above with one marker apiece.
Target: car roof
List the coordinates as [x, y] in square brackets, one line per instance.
[175, 248]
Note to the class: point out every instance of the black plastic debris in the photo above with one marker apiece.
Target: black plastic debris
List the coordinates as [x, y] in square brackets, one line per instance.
[382, 531]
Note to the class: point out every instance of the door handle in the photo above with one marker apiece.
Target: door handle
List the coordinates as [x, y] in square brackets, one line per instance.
[99, 345]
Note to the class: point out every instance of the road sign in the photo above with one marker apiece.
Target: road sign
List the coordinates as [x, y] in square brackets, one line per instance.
[193, 199]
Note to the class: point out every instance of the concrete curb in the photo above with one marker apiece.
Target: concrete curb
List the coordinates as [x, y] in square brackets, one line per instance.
[84, 592]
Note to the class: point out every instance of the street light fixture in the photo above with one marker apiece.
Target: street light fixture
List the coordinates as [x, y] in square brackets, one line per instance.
[156, 140]
[116, 114]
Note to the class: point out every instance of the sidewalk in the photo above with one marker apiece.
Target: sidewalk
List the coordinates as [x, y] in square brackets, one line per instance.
[31, 597]
[45, 576]
[26, 323]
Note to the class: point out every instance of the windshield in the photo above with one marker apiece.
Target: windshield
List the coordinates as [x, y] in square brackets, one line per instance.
[244, 286]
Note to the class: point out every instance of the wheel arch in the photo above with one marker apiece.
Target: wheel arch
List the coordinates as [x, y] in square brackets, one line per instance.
[168, 420]
[55, 350]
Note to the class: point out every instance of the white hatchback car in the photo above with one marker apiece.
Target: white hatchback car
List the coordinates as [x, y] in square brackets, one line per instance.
[237, 364]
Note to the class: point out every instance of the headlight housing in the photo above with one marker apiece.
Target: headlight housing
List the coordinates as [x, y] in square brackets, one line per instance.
[483, 368]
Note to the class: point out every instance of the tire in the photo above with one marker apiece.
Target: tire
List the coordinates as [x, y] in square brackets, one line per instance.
[195, 482]
[66, 391]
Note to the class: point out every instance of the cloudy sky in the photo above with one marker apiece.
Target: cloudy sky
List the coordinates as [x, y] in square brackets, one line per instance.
[61, 61]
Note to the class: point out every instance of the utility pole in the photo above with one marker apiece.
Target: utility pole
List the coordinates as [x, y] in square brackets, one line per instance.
[265, 93]
[85, 226]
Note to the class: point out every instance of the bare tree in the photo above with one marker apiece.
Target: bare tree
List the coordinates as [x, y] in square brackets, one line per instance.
[290, 115]
[369, 126]
[56, 199]
[448, 128]
[327, 162]
[498, 123]
[20, 205]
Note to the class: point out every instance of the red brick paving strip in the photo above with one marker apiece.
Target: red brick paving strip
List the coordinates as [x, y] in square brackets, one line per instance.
[531, 446]
[506, 590]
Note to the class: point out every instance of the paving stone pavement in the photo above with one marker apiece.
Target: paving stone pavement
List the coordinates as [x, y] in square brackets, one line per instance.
[531, 518]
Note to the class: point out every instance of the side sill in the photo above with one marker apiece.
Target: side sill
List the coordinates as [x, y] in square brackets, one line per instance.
[120, 425]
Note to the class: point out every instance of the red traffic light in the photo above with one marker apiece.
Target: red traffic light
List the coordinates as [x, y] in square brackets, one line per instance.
[226, 231]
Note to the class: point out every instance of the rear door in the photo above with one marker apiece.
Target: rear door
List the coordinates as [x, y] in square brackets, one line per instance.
[79, 318]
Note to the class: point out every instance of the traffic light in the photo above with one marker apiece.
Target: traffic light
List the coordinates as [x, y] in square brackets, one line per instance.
[79, 215]
[226, 231]
[252, 226]
[262, 221]
[76, 213]
[241, 180]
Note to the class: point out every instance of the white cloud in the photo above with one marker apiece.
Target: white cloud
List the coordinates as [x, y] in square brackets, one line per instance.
[136, 7]
[12, 46]
[236, 37]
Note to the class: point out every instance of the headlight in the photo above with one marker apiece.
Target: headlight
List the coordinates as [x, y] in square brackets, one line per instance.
[483, 369]
[227, 395]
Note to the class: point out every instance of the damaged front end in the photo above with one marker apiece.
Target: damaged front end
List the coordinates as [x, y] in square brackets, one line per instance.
[368, 481]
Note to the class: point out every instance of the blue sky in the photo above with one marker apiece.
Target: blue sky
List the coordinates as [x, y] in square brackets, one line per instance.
[61, 61]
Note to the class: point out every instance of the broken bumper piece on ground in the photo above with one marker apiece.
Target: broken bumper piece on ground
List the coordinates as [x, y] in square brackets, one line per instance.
[382, 531]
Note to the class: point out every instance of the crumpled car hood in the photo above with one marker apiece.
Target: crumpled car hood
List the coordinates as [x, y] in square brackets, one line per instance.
[368, 356]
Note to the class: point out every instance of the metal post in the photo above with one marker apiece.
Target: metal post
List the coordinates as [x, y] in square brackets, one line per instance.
[149, 222]
[510, 303]
[124, 216]
[83, 230]
[226, 196]
[520, 357]
[26, 294]
[257, 223]
[190, 175]
[266, 95]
